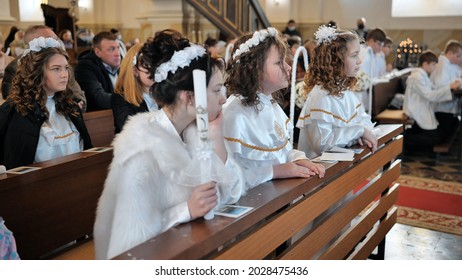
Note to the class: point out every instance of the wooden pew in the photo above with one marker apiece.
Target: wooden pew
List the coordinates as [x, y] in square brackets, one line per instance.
[275, 220]
[55, 205]
[100, 126]
[382, 94]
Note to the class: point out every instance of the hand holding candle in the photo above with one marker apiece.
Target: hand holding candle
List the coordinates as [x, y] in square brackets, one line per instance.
[202, 120]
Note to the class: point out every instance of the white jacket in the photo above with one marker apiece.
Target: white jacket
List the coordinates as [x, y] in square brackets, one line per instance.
[420, 96]
[444, 74]
[151, 177]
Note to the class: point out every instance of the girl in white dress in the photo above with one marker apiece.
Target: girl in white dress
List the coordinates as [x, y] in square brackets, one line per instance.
[40, 121]
[153, 182]
[256, 128]
[332, 114]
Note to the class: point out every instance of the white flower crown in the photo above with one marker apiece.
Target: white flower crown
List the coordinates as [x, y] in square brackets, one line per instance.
[258, 36]
[326, 34]
[41, 43]
[179, 59]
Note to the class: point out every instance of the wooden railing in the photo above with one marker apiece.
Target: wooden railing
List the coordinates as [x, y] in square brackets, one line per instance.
[358, 222]
[233, 18]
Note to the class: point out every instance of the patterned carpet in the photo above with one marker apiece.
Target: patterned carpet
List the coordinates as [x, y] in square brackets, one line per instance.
[445, 168]
[430, 203]
[431, 191]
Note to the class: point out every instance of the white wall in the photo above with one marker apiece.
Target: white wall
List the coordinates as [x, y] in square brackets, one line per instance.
[346, 12]
[5, 11]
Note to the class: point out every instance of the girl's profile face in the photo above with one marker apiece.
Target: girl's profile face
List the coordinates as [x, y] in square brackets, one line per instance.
[56, 74]
[143, 74]
[274, 77]
[352, 60]
[216, 95]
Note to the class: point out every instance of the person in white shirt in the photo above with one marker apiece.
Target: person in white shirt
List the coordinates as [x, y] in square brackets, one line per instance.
[419, 100]
[256, 129]
[332, 114]
[385, 52]
[154, 180]
[446, 72]
[373, 61]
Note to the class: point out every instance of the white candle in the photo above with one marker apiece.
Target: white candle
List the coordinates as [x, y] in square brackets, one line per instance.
[202, 119]
[200, 97]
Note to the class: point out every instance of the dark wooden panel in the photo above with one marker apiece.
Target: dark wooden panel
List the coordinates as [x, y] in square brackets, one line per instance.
[100, 126]
[50, 207]
[232, 17]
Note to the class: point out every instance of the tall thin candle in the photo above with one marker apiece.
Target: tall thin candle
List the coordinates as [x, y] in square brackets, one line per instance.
[202, 120]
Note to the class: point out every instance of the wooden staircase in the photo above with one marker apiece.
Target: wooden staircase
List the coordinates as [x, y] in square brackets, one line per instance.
[233, 18]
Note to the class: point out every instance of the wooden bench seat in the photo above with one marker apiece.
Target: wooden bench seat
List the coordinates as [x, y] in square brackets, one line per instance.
[84, 251]
[382, 94]
[394, 117]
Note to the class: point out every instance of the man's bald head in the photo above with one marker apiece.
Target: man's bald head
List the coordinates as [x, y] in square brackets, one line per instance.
[36, 31]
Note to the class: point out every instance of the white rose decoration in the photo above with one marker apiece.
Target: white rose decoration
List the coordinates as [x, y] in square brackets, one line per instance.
[179, 59]
[257, 37]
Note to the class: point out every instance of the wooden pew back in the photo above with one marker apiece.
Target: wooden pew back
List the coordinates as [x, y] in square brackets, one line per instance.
[100, 126]
[383, 93]
[276, 219]
[53, 206]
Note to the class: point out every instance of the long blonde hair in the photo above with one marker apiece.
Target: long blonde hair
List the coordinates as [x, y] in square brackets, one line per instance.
[128, 84]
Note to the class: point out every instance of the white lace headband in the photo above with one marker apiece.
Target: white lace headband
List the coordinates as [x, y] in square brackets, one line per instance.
[180, 59]
[258, 36]
[41, 43]
[326, 34]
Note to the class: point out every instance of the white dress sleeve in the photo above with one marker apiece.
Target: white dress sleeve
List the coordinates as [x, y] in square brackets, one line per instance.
[255, 172]
[323, 135]
[136, 217]
[294, 155]
[232, 189]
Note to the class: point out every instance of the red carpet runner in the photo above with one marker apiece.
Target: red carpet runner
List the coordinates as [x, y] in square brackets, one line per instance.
[430, 203]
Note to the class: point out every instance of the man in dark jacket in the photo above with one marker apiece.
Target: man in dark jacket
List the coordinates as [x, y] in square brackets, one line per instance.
[97, 71]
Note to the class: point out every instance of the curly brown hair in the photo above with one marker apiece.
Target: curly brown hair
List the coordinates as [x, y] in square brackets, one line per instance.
[245, 73]
[28, 87]
[327, 67]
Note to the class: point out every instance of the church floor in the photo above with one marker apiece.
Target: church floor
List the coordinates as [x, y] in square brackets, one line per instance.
[405, 242]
